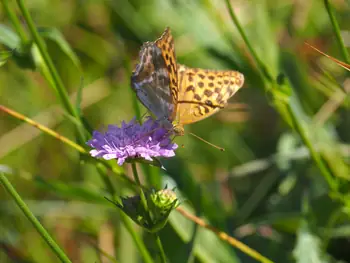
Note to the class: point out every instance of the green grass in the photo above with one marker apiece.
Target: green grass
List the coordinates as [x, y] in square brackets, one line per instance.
[281, 187]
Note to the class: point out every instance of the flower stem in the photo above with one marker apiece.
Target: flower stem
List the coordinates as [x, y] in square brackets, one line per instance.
[128, 225]
[56, 79]
[161, 250]
[337, 31]
[15, 22]
[145, 206]
[25, 209]
[142, 194]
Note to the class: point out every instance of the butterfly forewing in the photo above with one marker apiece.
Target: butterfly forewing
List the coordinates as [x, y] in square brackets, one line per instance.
[203, 92]
[166, 44]
[150, 81]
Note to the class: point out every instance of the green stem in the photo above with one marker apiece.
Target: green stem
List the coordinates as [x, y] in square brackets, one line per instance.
[138, 241]
[161, 250]
[15, 22]
[25, 209]
[142, 194]
[128, 225]
[337, 31]
[260, 64]
[145, 206]
[58, 84]
[313, 153]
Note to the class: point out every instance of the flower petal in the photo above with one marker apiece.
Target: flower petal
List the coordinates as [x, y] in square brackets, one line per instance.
[133, 140]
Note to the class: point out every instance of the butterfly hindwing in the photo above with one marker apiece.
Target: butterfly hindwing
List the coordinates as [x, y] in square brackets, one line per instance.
[203, 92]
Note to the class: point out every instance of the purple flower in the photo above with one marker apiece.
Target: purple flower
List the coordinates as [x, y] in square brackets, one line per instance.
[133, 140]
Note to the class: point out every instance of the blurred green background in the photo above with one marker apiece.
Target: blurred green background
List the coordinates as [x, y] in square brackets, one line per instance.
[264, 189]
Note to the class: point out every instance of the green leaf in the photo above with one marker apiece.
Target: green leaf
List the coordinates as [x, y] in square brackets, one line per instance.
[9, 38]
[57, 37]
[4, 56]
[21, 52]
[307, 249]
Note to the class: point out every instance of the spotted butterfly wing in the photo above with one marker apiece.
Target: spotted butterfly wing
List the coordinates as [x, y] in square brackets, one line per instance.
[203, 92]
[166, 44]
[175, 93]
[153, 80]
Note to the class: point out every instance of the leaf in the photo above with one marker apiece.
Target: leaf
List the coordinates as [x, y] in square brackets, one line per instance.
[4, 56]
[57, 37]
[9, 38]
[21, 52]
[308, 246]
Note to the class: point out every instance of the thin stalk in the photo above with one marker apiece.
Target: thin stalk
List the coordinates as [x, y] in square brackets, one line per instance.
[58, 84]
[337, 31]
[43, 128]
[316, 157]
[102, 252]
[142, 194]
[225, 237]
[160, 247]
[260, 64]
[128, 225]
[313, 153]
[15, 22]
[25, 209]
[145, 206]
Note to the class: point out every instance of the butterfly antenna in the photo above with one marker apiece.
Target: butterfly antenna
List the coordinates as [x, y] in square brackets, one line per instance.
[215, 146]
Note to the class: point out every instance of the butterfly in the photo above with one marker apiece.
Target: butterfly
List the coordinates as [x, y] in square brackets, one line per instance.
[178, 95]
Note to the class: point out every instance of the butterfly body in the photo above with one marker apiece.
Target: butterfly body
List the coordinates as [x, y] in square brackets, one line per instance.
[178, 95]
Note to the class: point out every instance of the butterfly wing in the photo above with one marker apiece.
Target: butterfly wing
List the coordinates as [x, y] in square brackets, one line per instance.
[166, 44]
[155, 78]
[203, 92]
[150, 81]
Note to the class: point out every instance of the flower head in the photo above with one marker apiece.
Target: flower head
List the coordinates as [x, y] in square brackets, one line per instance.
[132, 141]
